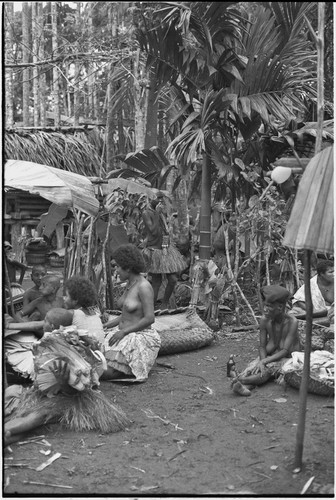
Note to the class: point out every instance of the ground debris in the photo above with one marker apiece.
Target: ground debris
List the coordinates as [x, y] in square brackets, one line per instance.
[48, 462]
[48, 484]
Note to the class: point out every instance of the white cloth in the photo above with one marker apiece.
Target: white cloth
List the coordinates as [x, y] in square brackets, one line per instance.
[90, 322]
[135, 354]
[318, 301]
[321, 364]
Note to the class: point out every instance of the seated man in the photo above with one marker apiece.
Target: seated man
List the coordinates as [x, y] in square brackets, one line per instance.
[322, 292]
[47, 300]
[278, 339]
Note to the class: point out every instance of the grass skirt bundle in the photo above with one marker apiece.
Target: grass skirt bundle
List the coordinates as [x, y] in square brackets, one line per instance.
[65, 387]
[80, 411]
[165, 261]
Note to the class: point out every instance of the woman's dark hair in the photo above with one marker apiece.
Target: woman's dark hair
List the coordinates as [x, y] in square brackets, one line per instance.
[129, 257]
[323, 265]
[82, 290]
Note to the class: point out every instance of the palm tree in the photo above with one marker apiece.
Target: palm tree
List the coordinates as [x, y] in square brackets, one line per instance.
[238, 69]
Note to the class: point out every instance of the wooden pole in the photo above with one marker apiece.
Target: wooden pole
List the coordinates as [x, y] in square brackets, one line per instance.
[88, 266]
[306, 364]
[307, 253]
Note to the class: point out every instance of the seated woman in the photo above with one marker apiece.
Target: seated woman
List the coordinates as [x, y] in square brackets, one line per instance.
[132, 346]
[82, 301]
[322, 292]
[278, 339]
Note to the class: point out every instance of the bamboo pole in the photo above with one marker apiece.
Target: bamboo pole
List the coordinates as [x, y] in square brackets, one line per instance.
[88, 266]
[79, 244]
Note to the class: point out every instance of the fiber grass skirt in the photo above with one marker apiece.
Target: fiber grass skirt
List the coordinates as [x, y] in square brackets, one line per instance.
[165, 261]
[82, 411]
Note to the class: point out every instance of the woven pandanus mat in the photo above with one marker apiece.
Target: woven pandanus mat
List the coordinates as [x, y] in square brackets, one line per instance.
[322, 336]
[181, 332]
[321, 387]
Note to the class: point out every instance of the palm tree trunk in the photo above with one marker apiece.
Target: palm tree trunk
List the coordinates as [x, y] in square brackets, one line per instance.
[26, 20]
[36, 89]
[140, 104]
[152, 113]
[57, 117]
[205, 215]
[42, 78]
[9, 18]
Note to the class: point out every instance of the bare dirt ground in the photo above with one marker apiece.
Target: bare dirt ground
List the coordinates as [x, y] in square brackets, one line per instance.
[190, 435]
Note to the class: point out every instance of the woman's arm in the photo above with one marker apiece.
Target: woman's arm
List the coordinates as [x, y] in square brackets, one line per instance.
[112, 322]
[26, 326]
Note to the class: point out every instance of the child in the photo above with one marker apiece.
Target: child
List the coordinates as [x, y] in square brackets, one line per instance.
[38, 273]
[55, 318]
[278, 339]
[48, 299]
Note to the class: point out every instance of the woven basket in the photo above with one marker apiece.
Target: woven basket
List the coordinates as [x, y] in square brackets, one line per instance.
[182, 332]
[323, 388]
[56, 261]
[175, 341]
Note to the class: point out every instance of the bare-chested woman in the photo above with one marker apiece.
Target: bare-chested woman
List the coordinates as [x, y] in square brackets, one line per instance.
[132, 346]
[278, 339]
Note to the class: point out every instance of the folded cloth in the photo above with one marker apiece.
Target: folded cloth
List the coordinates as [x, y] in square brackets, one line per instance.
[135, 354]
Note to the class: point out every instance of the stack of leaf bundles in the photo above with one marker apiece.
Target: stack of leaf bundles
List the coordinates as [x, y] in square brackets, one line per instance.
[66, 378]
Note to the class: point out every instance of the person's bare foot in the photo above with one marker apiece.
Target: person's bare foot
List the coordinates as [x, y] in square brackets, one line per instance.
[240, 389]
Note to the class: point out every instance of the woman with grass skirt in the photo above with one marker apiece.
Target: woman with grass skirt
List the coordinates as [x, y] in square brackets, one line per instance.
[161, 255]
[131, 343]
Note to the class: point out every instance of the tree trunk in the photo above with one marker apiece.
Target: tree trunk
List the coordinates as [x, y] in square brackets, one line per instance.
[77, 74]
[36, 87]
[140, 92]
[9, 22]
[152, 112]
[181, 200]
[320, 76]
[41, 56]
[26, 20]
[91, 79]
[56, 76]
[205, 216]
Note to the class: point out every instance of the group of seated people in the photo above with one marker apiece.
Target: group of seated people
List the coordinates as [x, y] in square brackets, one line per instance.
[129, 342]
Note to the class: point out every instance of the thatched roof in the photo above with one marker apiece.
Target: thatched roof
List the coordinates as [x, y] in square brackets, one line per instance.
[77, 152]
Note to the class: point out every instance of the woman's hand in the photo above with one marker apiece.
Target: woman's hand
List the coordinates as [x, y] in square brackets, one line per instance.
[116, 337]
[260, 368]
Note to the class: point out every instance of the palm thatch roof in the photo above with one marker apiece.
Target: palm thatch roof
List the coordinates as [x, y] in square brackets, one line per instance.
[77, 152]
